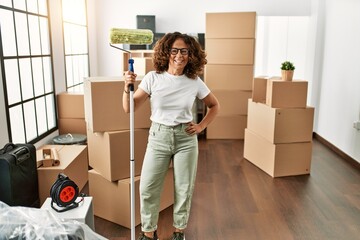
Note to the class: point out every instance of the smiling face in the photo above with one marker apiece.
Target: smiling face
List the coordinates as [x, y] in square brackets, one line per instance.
[178, 61]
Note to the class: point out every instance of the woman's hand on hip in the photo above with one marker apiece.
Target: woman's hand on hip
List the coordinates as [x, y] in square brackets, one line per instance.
[193, 128]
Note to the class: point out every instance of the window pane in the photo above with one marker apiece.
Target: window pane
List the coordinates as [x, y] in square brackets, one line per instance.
[38, 76]
[20, 4]
[12, 81]
[34, 35]
[32, 6]
[41, 115]
[42, 7]
[7, 33]
[69, 71]
[6, 3]
[22, 34]
[17, 124]
[47, 75]
[26, 79]
[44, 30]
[74, 11]
[30, 121]
[50, 106]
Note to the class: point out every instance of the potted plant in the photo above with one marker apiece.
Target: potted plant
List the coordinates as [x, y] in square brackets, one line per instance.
[287, 71]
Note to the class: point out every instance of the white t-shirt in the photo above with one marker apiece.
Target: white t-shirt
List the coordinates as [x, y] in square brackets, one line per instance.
[172, 97]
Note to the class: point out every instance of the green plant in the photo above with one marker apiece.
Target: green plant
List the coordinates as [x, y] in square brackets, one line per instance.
[287, 66]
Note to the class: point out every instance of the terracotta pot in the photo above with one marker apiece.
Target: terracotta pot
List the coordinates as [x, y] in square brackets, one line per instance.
[287, 75]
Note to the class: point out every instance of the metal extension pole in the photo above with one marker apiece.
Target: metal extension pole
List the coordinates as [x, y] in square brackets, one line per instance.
[132, 163]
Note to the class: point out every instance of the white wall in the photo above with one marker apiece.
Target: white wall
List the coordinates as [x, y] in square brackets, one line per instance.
[339, 96]
[185, 16]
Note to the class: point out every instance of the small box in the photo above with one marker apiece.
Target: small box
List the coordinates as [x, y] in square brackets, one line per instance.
[84, 213]
[230, 51]
[232, 102]
[73, 163]
[218, 25]
[112, 200]
[227, 127]
[109, 152]
[72, 125]
[103, 106]
[229, 77]
[70, 105]
[281, 125]
[277, 160]
[286, 94]
[47, 157]
[259, 89]
[143, 65]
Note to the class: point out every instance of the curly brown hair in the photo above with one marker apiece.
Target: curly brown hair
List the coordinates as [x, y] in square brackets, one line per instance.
[197, 56]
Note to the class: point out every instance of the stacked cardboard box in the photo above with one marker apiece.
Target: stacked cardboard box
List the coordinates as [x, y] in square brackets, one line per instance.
[71, 114]
[230, 47]
[142, 61]
[278, 137]
[108, 138]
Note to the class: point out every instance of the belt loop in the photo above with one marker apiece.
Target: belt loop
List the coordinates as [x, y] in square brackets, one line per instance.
[159, 125]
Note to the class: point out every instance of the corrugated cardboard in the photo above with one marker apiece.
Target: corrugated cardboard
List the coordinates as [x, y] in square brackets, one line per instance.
[229, 77]
[232, 102]
[230, 51]
[109, 152]
[112, 199]
[73, 163]
[219, 25]
[72, 125]
[103, 106]
[70, 105]
[227, 127]
[277, 160]
[281, 125]
[286, 94]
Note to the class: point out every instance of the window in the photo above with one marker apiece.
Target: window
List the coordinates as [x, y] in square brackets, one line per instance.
[75, 43]
[26, 62]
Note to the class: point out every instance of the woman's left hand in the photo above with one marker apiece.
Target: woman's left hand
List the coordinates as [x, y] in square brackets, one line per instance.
[193, 128]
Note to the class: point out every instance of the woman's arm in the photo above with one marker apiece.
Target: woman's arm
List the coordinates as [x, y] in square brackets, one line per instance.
[140, 95]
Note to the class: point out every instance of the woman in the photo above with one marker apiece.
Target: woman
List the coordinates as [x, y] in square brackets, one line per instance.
[172, 89]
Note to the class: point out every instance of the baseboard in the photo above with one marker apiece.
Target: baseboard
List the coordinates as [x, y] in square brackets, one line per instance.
[336, 150]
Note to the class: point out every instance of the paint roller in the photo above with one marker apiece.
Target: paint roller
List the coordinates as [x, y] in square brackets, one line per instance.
[138, 37]
[130, 36]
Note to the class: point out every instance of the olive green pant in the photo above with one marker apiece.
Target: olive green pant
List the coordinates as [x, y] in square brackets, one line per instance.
[165, 144]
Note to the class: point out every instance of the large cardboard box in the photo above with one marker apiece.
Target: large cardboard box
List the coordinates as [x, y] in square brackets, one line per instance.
[103, 106]
[109, 152]
[73, 163]
[72, 125]
[219, 25]
[233, 102]
[277, 160]
[281, 125]
[230, 51]
[227, 127]
[229, 77]
[112, 199]
[286, 94]
[70, 105]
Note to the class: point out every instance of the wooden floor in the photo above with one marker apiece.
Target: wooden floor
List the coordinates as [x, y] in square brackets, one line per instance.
[234, 199]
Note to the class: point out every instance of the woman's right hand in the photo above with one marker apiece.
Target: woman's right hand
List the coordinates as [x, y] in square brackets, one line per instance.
[129, 78]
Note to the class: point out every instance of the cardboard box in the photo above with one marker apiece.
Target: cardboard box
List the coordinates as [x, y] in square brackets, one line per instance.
[70, 105]
[103, 106]
[277, 160]
[286, 94]
[109, 152]
[227, 127]
[73, 163]
[230, 51]
[112, 199]
[259, 89]
[72, 125]
[232, 102]
[281, 125]
[220, 25]
[229, 77]
[143, 65]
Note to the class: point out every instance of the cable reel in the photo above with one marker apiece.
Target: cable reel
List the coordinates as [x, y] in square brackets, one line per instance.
[64, 193]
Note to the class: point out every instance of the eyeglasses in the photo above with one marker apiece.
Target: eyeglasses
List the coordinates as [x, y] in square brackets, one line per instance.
[183, 51]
